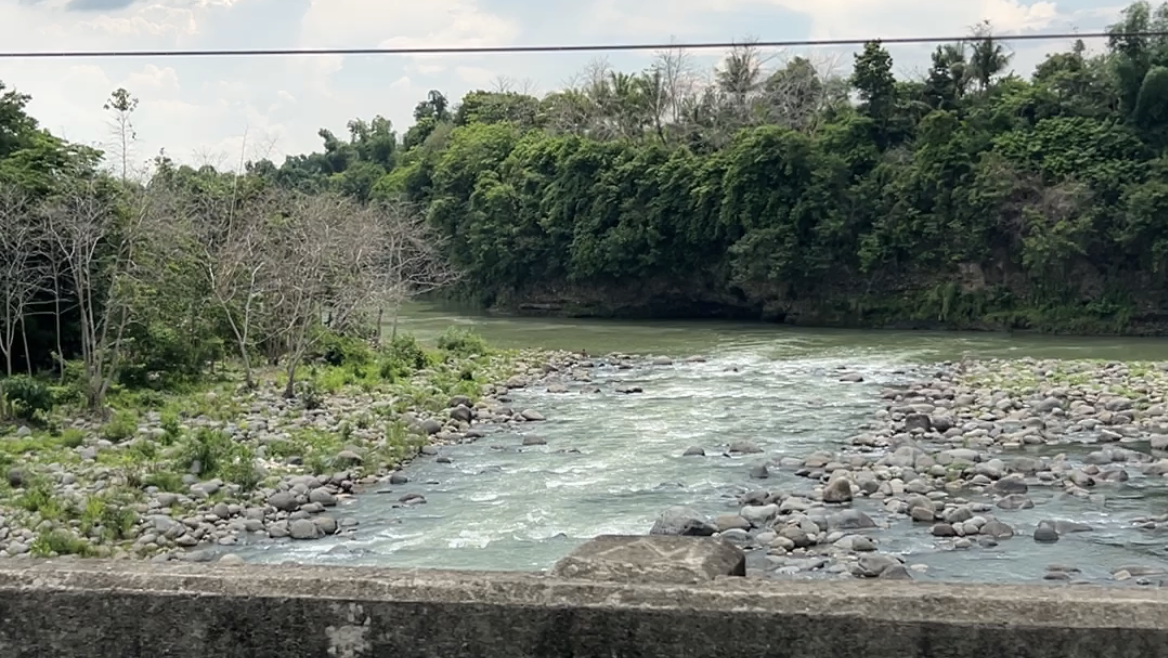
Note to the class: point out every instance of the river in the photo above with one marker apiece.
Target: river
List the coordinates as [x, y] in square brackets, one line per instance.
[613, 462]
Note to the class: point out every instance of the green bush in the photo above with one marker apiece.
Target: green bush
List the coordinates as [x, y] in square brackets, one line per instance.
[341, 350]
[24, 398]
[60, 542]
[218, 455]
[122, 426]
[462, 342]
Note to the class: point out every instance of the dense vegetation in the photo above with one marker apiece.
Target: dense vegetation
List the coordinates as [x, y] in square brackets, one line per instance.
[773, 189]
[121, 280]
[970, 198]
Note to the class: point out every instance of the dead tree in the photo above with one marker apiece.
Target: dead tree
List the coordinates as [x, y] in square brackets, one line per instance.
[324, 249]
[411, 261]
[21, 272]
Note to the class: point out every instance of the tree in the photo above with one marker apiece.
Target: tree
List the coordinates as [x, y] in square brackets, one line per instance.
[233, 256]
[121, 105]
[411, 263]
[325, 254]
[101, 245]
[987, 58]
[21, 272]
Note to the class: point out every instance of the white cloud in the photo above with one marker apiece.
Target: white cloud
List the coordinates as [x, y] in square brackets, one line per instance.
[914, 18]
[355, 23]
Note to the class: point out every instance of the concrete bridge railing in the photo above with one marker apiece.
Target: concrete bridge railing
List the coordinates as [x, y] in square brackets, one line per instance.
[643, 597]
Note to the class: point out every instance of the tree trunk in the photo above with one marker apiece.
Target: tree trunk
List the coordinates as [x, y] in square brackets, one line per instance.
[57, 321]
[27, 352]
[289, 388]
[377, 336]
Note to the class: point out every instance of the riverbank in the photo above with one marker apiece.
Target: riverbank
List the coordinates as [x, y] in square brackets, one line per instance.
[174, 474]
[969, 455]
[930, 302]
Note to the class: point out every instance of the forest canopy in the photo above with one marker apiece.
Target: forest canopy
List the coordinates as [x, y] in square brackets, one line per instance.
[779, 188]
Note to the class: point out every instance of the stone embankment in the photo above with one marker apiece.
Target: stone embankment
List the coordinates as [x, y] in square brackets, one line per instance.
[954, 456]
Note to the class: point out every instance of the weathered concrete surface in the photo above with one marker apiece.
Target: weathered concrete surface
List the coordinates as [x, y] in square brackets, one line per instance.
[72, 609]
[660, 559]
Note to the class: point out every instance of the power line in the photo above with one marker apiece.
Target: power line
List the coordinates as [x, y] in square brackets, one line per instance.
[568, 48]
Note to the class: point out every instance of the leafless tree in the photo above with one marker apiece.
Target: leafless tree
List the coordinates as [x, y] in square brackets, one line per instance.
[99, 245]
[323, 251]
[229, 240]
[678, 78]
[21, 273]
[411, 262]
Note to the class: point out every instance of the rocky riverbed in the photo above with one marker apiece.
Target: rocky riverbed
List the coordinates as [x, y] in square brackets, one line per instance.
[238, 463]
[966, 454]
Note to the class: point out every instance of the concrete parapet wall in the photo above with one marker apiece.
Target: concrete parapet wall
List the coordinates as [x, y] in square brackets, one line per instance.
[83, 609]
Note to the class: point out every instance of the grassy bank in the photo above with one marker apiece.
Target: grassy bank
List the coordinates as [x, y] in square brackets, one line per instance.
[163, 471]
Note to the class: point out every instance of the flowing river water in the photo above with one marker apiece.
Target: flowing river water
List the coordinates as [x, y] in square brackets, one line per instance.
[612, 463]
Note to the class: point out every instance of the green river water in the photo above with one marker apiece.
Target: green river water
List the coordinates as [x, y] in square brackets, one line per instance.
[497, 505]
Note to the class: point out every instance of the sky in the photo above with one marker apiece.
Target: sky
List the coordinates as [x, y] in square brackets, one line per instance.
[220, 111]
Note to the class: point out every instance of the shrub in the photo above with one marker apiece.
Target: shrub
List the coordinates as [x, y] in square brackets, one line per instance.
[462, 342]
[342, 350]
[25, 398]
[40, 499]
[71, 438]
[164, 480]
[122, 426]
[218, 455]
[60, 542]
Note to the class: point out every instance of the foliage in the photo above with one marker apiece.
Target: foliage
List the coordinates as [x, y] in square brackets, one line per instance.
[24, 398]
[210, 453]
[462, 342]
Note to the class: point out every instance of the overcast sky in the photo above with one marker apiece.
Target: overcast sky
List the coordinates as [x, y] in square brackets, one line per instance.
[199, 109]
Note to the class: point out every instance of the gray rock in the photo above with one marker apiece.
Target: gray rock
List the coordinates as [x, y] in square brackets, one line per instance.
[322, 496]
[895, 572]
[943, 530]
[682, 521]
[694, 451]
[871, 565]
[284, 501]
[1010, 485]
[759, 515]
[858, 543]
[839, 490]
[850, 519]
[726, 522]
[304, 529]
[996, 530]
[743, 448]
[1015, 502]
[326, 524]
[1045, 533]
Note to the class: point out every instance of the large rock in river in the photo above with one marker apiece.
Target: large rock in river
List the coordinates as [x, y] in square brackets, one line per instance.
[683, 521]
